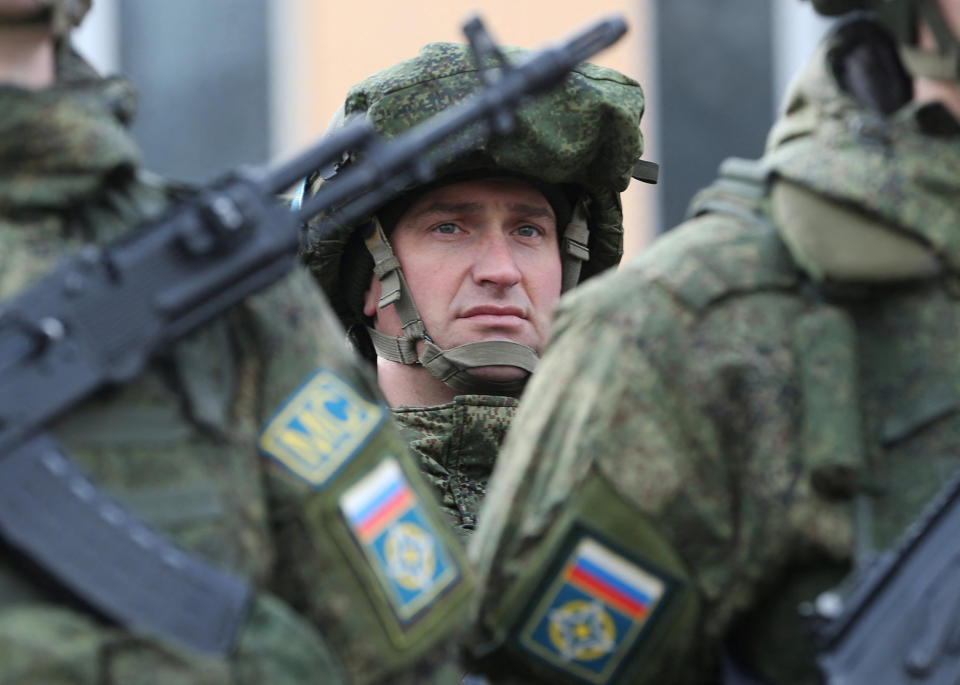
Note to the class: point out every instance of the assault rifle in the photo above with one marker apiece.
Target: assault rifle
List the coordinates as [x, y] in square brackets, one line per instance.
[98, 318]
[899, 621]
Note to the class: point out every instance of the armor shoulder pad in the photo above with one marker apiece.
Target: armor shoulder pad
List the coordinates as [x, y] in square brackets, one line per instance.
[728, 246]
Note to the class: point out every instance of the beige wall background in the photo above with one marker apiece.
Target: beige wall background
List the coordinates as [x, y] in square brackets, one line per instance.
[322, 47]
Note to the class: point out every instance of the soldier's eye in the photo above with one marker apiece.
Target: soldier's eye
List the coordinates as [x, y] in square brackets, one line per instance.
[528, 232]
[447, 229]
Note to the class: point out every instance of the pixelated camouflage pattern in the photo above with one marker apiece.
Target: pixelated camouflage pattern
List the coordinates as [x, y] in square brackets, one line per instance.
[770, 431]
[178, 445]
[585, 132]
[40, 129]
[43, 644]
[457, 445]
[885, 165]
[50, 645]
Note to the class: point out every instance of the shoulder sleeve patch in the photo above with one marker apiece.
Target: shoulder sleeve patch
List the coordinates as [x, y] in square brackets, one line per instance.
[409, 559]
[593, 612]
[320, 427]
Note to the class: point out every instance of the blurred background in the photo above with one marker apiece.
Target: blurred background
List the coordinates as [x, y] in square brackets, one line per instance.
[229, 82]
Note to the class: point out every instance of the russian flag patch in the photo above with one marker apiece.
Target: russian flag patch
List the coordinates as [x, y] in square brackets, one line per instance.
[594, 610]
[389, 522]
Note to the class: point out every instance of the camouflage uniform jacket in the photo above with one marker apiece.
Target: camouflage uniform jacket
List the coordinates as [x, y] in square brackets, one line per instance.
[768, 393]
[457, 445]
[178, 446]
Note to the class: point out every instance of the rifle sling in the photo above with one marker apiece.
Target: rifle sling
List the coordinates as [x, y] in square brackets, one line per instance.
[109, 558]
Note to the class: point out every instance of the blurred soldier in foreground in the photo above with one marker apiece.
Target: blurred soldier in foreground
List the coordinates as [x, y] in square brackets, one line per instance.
[721, 430]
[452, 295]
[178, 447]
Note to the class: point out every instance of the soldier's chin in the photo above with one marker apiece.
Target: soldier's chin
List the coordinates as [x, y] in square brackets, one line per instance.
[498, 373]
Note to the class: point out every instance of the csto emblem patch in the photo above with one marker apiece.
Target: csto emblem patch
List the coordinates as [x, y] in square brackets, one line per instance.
[320, 427]
[593, 612]
[387, 519]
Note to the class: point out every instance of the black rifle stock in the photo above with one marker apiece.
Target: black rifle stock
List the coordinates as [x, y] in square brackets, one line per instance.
[97, 319]
[898, 621]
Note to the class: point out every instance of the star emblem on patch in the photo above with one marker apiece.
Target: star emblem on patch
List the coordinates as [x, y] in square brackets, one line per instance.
[581, 630]
[593, 611]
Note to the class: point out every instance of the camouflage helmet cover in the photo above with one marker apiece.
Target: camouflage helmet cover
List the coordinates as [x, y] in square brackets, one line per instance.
[584, 132]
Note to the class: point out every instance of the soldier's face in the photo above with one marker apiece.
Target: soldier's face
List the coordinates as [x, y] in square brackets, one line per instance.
[482, 261]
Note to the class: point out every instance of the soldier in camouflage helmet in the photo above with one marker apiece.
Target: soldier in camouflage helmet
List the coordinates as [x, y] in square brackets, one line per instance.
[929, 48]
[450, 286]
[178, 446]
[720, 430]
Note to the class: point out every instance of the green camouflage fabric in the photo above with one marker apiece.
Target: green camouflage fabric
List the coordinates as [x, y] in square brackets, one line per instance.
[584, 132]
[743, 425]
[69, 176]
[82, 123]
[179, 445]
[457, 444]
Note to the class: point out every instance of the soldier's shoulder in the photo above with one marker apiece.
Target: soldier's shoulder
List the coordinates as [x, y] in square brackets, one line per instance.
[702, 263]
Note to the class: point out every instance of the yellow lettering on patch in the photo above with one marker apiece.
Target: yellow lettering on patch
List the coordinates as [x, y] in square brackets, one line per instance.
[320, 427]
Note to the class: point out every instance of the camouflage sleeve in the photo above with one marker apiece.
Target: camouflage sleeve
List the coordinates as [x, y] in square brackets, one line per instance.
[650, 485]
[363, 553]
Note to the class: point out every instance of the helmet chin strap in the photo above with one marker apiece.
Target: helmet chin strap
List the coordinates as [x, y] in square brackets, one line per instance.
[452, 366]
[942, 65]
